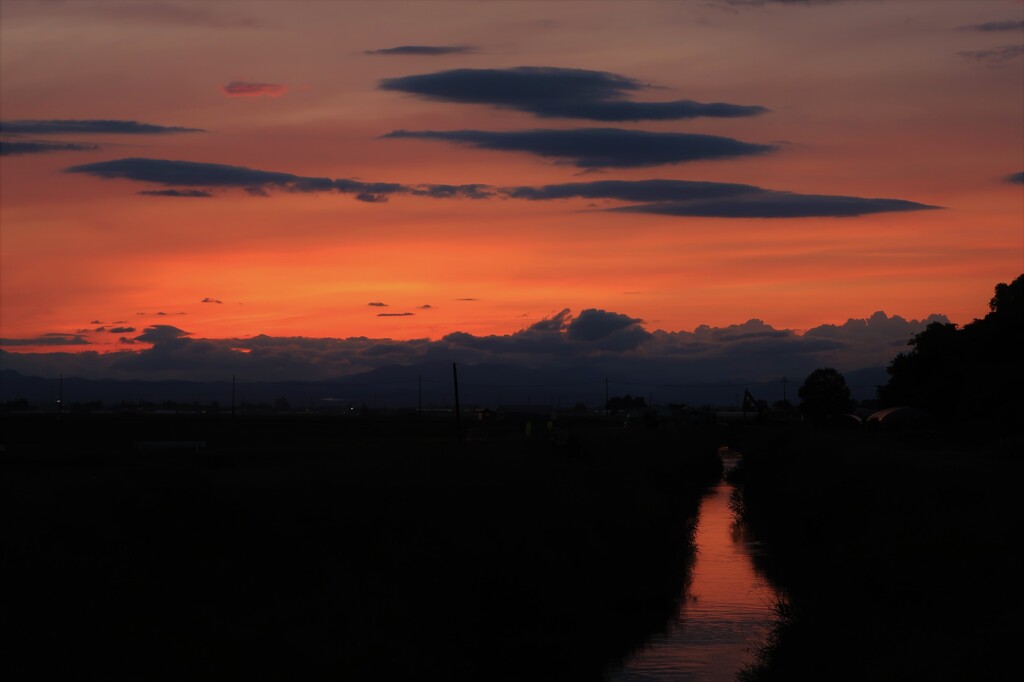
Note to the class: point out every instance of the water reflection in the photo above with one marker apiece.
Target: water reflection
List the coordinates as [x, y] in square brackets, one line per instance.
[726, 609]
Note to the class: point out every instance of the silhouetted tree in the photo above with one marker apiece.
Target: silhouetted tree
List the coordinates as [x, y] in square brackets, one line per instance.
[931, 374]
[973, 372]
[824, 395]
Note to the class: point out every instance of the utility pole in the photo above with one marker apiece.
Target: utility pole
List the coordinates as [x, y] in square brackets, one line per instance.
[60, 396]
[232, 395]
[784, 382]
[458, 411]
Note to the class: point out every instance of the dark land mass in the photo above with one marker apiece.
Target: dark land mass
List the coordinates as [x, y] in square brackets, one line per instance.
[205, 547]
[897, 552]
[395, 387]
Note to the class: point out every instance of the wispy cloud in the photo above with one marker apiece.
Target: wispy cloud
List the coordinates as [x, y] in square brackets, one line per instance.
[761, 3]
[551, 92]
[159, 13]
[188, 193]
[211, 300]
[16, 147]
[598, 147]
[220, 176]
[52, 339]
[164, 172]
[713, 199]
[395, 314]
[661, 196]
[996, 26]
[768, 204]
[88, 126]
[424, 50]
[631, 190]
[247, 89]
[377, 304]
[994, 56]
[1016, 178]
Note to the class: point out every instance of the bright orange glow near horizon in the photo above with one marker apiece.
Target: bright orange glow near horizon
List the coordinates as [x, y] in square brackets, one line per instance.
[905, 101]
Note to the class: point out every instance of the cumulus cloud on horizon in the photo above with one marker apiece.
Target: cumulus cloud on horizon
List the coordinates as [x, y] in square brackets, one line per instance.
[162, 333]
[594, 343]
[553, 92]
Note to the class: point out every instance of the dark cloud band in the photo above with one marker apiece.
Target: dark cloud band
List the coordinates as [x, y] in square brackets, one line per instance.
[551, 92]
[186, 193]
[97, 126]
[632, 190]
[53, 339]
[995, 26]
[165, 172]
[995, 56]
[660, 196]
[215, 175]
[713, 199]
[16, 147]
[768, 204]
[598, 147]
[423, 50]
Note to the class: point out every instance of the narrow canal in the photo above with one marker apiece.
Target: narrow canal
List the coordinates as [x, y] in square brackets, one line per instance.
[726, 610]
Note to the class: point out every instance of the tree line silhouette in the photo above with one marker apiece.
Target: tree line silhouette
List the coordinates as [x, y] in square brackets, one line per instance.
[969, 374]
[974, 372]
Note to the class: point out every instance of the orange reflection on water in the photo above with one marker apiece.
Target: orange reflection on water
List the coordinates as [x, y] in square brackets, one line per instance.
[726, 610]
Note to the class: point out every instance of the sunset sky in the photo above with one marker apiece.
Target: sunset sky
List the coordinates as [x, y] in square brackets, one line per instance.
[412, 170]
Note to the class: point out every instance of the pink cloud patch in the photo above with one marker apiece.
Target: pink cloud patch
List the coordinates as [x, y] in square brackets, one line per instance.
[245, 89]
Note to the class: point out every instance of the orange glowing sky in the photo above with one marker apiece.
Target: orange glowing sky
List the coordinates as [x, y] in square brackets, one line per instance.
[910, 100]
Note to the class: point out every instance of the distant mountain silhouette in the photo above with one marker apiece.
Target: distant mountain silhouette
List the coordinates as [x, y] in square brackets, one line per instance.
[426, 384]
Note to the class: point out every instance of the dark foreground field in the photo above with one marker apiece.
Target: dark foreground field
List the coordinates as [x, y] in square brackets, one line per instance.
[899, 553]
[360, 549]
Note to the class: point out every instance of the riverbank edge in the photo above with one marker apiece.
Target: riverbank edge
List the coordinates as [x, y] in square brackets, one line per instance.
[895, 552]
